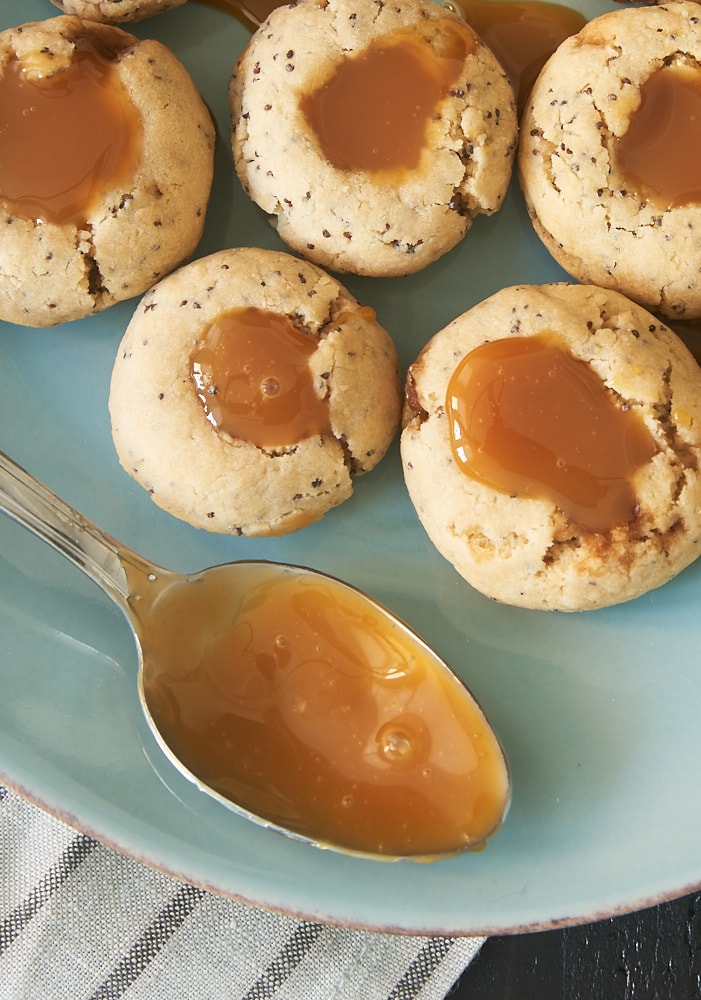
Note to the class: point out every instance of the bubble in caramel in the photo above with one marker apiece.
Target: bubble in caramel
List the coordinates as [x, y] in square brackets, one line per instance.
[531, 420]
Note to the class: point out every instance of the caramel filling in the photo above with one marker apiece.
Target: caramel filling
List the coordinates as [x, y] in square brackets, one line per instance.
[251, 13]
[374, 111]
[690, 332]
[659, 154]
[66, 138]
[252, 376]
[529, 419]
[307, 707]
[522, 34]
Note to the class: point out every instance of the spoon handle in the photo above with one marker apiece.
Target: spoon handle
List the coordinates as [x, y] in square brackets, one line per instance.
[108, 563]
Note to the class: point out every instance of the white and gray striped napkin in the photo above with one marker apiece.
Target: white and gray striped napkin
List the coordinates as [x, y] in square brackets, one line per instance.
[79, 921]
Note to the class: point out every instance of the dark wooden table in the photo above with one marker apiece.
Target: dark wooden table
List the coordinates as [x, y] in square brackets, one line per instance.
[654, 954]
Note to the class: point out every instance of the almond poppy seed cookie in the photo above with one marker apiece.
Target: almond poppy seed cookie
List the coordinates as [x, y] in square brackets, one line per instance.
[249, 390]
[608, 161]
[552, 446]
[116, 11]
[105, 177]
[372, 134]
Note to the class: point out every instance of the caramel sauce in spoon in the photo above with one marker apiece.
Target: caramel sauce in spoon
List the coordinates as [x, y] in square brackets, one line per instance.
[293, 698]
[297, 698]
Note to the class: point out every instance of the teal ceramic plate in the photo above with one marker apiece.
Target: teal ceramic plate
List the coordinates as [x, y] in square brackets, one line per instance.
[599, 713]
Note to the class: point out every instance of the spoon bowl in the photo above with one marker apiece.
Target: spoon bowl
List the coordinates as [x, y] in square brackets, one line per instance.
[293, 698]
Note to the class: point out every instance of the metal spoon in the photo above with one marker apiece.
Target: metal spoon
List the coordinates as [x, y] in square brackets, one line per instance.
[364, 742]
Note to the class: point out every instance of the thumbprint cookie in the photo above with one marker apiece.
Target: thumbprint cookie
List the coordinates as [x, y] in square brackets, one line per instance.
[609, 156]
[249, 390]
[105, 170]
[371, 134]
[552, 447]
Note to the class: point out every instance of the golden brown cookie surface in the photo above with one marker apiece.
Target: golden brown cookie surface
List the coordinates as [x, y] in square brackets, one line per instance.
[372, 133]
[106, 172]
[519, 541]
[609, 152]
[262, 475]
[116, 11]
